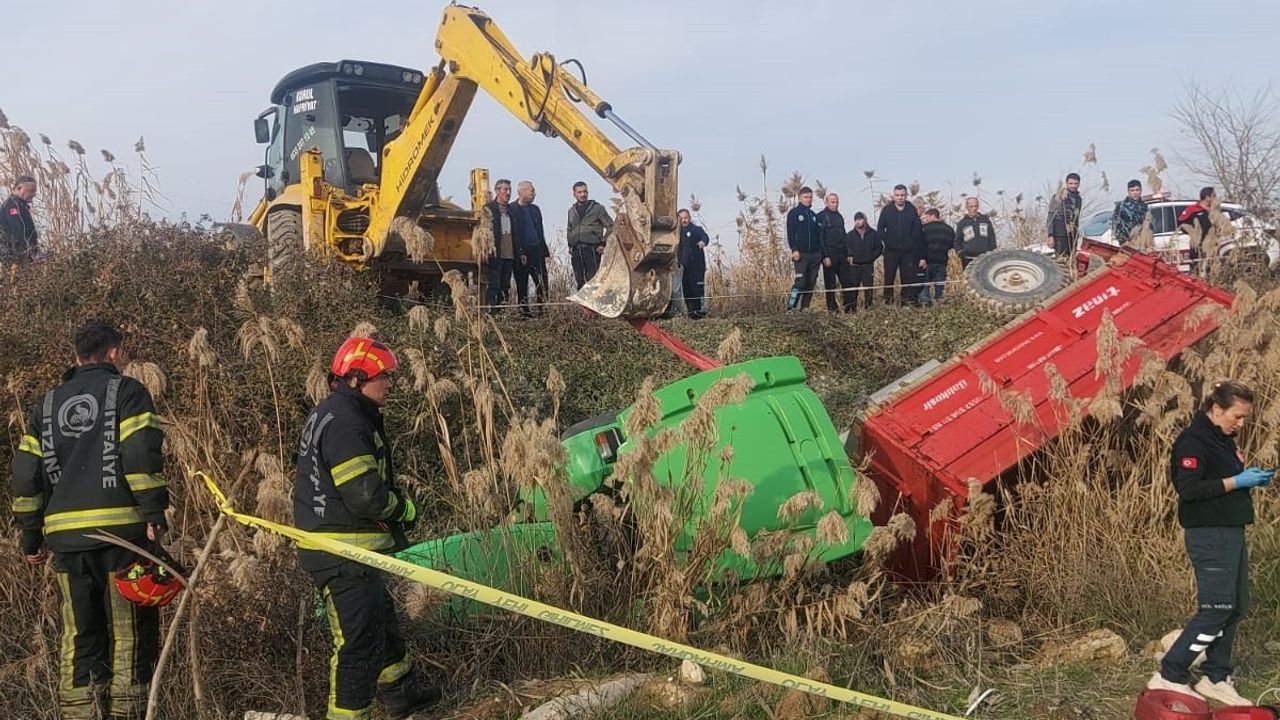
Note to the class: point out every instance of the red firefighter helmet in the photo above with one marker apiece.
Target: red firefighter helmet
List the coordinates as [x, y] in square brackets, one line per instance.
[364, 354]
[147, 584]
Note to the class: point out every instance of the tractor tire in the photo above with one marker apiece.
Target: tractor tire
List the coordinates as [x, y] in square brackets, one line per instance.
[1011, 281]
[284, 240]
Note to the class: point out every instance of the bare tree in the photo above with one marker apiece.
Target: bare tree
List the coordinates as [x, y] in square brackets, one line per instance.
[1232, 141]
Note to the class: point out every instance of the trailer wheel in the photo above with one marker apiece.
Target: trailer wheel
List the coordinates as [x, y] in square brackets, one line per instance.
[284, 240]
[1011, 281]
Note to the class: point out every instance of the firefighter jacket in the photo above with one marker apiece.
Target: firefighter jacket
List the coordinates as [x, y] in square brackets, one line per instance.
[344, 486]
[90, 460]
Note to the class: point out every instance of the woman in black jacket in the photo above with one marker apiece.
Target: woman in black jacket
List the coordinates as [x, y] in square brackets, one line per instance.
[1214, 506]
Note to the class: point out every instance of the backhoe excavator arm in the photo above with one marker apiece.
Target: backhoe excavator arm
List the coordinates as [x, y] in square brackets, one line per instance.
[634, 277]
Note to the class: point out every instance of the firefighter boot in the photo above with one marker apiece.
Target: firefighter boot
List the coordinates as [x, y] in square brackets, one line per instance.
[407, 696]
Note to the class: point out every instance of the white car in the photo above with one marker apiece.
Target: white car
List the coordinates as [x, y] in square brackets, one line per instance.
[1252, 237]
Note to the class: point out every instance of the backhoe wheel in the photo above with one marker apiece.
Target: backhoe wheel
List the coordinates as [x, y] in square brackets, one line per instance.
[1011, 281]
[284, 240]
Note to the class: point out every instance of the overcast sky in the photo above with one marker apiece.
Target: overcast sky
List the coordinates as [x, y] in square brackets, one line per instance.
[928, 91]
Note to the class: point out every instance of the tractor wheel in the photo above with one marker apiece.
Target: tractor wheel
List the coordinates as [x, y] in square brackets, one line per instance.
[1011, 281]
[284, 240]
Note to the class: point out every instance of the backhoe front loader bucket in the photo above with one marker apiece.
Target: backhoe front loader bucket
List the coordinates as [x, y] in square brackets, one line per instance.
[634, 279]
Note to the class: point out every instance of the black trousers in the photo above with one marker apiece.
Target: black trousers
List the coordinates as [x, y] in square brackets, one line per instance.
[693, 283]
[806, 278]
[585, 261]
[861, 275]
[368, 650]
[534, 268]
[1064, 246]
[839, 275]
[1220, 558]
[106, 640]
[904, 267]
[499, 281]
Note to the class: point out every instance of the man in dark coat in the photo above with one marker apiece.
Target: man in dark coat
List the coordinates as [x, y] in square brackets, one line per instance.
[834, 265]
[863, 247]
[500, 213]
[939, 240]
[900, 230]
[693, 258]
[18, 234]
[1063, 222]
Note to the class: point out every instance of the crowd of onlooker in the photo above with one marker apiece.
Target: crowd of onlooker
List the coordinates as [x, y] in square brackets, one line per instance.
[915, 250]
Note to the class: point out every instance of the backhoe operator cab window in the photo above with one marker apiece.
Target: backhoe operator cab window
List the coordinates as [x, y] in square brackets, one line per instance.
[348, 110]
[370, 117]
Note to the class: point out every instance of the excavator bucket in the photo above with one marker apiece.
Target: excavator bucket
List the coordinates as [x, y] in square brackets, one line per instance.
[634, 279]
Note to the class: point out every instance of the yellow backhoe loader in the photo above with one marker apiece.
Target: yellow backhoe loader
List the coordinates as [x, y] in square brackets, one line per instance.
[354, 151]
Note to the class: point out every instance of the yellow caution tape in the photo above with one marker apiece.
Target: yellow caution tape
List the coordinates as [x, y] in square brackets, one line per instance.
[565, 618]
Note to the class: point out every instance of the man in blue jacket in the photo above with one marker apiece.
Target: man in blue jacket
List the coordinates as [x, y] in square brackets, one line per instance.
[805, 242]
[531, 249]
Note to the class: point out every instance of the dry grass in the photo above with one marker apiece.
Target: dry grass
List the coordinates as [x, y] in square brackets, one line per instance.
[476, 416]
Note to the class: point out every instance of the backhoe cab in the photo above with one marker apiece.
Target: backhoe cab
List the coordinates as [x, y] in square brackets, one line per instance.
[326, 133]
[354, 151]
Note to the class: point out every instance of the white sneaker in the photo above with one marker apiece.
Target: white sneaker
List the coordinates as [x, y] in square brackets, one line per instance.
[1224, 692]
[1157, 682]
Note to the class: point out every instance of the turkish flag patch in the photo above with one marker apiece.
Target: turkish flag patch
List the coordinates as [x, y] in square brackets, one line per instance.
[13, 211]
[1190, 463]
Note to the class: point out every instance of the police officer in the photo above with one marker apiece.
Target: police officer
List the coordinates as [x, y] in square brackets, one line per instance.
[692, 253]
[344, 489]
[91, 461]
[1214, 506]
[18, 235]
[805, 242]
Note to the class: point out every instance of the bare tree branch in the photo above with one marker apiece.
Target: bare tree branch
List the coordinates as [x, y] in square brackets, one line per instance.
[1232, 141]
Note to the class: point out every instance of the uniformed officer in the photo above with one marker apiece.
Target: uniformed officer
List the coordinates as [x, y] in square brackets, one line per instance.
[345, 489]
[91, 461]
[1214, 506]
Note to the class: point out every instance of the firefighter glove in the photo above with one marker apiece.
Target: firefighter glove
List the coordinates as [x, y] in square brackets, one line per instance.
[1253, 477]
[32, 541]
[408, 511]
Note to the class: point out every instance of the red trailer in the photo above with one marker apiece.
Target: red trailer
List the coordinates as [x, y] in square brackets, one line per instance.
[947, 424]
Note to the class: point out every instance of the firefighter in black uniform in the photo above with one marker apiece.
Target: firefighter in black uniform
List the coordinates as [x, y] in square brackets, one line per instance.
[18, 235]
[344, 489]
[1214, 506]
[90, 461]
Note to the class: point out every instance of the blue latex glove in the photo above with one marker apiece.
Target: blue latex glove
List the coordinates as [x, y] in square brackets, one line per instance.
[1254, 477]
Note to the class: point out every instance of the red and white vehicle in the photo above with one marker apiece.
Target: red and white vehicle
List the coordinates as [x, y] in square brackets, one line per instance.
[1253, 241]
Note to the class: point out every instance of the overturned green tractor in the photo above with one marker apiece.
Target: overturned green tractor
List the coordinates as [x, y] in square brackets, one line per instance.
[783, 441]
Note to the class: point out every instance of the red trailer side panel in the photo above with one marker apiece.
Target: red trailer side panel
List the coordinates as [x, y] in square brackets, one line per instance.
[928, 441]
